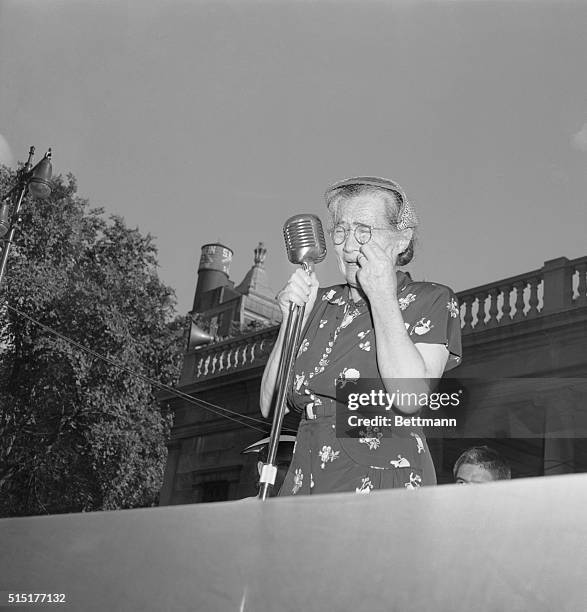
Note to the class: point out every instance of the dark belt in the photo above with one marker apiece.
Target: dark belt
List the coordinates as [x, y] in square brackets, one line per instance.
[313, 412]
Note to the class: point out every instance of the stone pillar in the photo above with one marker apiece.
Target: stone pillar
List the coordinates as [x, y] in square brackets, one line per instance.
[558, 284]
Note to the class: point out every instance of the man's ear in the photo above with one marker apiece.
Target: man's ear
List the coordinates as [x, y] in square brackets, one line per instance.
[260, 465]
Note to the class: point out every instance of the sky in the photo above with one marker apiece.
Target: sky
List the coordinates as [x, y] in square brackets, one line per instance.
[216, 121]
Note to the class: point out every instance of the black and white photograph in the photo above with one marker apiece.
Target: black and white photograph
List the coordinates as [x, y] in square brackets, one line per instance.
[277, 278]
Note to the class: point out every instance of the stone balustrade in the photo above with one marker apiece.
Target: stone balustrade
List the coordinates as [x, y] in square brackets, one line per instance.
[234, 354]
[561, 284]
[513, 299]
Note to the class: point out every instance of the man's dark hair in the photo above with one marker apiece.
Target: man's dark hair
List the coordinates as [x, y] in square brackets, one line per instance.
[488, 459]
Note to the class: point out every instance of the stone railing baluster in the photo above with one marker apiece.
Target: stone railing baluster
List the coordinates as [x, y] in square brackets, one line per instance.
[519, 286]
[506, 307]
[481, 297]
[468, 301]
[533, 301]
[493, 309]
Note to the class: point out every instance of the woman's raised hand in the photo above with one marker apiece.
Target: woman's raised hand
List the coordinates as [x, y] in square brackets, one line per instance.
[377, 268]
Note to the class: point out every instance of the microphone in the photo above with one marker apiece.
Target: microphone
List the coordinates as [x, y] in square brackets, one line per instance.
[305, 244]
[304, 239]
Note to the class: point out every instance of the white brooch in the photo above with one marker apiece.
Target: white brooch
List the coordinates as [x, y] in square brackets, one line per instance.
[423, 326]
[304, 346]
[415, 481]
[453, 308]
[348, 375]
[400, 462]
[404, 302]
[366, 486]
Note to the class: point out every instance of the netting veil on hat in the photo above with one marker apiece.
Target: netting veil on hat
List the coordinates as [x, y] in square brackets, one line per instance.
[407, 216]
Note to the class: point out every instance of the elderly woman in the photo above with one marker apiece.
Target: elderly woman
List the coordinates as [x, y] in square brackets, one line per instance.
[381, 326]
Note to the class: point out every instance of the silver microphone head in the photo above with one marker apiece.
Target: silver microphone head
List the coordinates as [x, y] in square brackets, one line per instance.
[304, 239]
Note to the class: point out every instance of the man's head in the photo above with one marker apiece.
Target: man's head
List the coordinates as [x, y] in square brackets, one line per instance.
[480, 464]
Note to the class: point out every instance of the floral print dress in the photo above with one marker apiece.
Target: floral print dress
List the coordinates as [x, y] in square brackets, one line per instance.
[339, 345]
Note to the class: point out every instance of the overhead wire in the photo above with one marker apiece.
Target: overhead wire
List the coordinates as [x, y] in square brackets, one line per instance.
[214, 408]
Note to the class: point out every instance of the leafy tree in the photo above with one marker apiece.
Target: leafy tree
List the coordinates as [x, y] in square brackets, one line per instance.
[77, 433]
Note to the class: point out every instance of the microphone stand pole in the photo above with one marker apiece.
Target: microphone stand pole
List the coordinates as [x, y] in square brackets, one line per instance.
[24, 185]
[290, 342]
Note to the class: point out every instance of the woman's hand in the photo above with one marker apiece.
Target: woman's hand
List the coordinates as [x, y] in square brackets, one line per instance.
[377, 268]
[301, 288]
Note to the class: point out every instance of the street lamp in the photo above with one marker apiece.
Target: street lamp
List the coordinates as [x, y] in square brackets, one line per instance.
[34, 179]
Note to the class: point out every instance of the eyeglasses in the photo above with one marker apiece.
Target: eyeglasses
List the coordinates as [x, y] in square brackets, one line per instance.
[363, 233]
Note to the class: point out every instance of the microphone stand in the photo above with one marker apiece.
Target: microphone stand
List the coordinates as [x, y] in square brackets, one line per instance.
[293, 329]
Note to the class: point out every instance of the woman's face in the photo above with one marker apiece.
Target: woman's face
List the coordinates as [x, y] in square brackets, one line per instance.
[368, 209]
